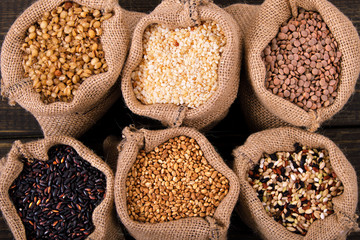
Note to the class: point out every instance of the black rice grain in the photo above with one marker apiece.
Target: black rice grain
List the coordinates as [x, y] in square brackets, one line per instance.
[55, 198]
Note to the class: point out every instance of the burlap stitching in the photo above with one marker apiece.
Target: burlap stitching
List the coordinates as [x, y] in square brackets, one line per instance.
[293, 8]
[23, 151]
[191, 6]
[10, 90]
[7, 92]
[315, 121]
[180, 117]
[121, 145]
[127, 134]
[131, 132]
[245, 156]
[349, 222]
[215, 228]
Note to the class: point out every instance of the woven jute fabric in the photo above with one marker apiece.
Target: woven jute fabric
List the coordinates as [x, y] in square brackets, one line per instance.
[265, 27]
[255, 114]
[186, 228]
[95, 95]
[335, 226]
[103, 217]
[181, 14]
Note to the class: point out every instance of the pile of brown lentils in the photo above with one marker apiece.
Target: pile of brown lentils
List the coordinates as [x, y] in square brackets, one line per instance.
[62, 49]
[173, 181]
[296, 188]
[303, 62]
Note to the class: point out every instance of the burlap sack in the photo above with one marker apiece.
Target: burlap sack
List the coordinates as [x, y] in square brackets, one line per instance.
[103, 217]
[271, 15]
[179, 14]
[255, 114]
[186, 228]
[95, 95]
[335, 226]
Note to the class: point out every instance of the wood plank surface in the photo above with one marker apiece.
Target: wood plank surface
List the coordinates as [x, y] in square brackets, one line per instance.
[16, 123]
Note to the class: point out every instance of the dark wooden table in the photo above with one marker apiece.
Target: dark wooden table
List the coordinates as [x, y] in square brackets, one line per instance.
[16, 123]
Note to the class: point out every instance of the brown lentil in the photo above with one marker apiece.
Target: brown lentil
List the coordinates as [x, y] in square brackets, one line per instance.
[296, 188]
[303, 59]
[173, 181]
[58, 48]
[179, 65]
[55, 199]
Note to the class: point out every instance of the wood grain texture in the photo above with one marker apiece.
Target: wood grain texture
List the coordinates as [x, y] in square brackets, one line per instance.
[16, 123]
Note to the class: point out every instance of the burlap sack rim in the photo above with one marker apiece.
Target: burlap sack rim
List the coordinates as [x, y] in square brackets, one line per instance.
[253, 111]
[138, 136]
[9, 210]
[244, 161]
[76, 124]
[24, 86]
[313, 118]
[204, 10]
